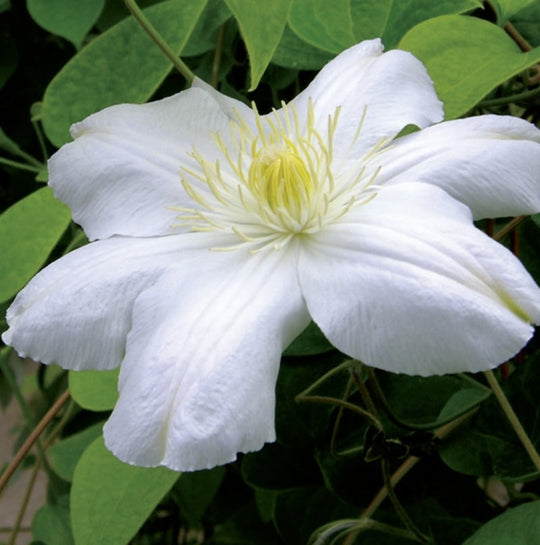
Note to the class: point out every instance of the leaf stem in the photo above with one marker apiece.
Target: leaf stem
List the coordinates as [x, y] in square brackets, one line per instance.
[525, 95]
[509, 227]
[513, 419]
[24, 505]
[28, 417]
[19, 165]
[147, 26]
[32, 438]
[403, 469]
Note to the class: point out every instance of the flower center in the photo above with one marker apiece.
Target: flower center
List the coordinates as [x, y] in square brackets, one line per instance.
[278, 176]
[274, 180]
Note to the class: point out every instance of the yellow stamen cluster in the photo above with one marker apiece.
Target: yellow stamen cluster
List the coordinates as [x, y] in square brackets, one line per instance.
[274, 181]
[279, 176]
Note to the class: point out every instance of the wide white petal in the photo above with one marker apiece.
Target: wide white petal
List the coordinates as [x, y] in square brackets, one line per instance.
[122, 174]
[491, 163]
[383, 91]
[77, 311]
[411, 286]
[197, 384]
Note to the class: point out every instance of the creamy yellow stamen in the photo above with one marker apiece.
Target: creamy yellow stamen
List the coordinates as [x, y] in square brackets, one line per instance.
[278, 175]
[274, 182]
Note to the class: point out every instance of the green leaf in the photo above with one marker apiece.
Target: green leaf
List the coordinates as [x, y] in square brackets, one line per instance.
[390, 20]
[94, 390]
[194, 492]
[293, 52]
[466, 58]
[527, 22]
[506, 8]
[518, 526]
[487, 444]
[261, 25]
[71, 19]
[325, 25]
[121, 65]
[111, 500]
[65, 454]
[205, 34]
[430, 402]
[29, 230]
[310, 341]
[52, 526]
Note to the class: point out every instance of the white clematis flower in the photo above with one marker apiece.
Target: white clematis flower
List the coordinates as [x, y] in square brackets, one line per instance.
[221, 233]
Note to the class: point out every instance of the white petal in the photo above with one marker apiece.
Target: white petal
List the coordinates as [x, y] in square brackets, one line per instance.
[122, 174]
[77, 311]
[491, 163]
[412, 286]
[197, 384]
[390, 89]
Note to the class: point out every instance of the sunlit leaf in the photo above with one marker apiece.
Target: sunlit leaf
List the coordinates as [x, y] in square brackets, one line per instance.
[94, 390]
[466, 58]
[111, 500]
[293, 52]
[121, 65]
[261, 25]
[29, 230]
[325, 25]
[390, 20]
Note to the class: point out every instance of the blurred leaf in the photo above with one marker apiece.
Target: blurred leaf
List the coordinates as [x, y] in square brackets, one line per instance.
[261, 25]
[111, 500]
[65, 454]
[293, 52]
[9, 145]
[390, 20]
[103, 73]
[195, 491]
[299, 423]
[466, 58]
[325, 25]
[518, 526]
[506, 8]
[51, 525]
[205, 34]
[29, 230]
[94, 390]
[9, 57]
[310, 341]
[71, 19]
[243, 528]
[278, 467]
[298, 513]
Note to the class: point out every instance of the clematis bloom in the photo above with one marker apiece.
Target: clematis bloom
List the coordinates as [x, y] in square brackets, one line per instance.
[220, 233]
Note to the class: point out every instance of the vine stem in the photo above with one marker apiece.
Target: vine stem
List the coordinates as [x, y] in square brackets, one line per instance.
[512, 418]
[32, 438]
[403, 469]
[147, 26]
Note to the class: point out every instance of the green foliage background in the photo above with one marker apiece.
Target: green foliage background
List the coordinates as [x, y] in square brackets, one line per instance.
[64, 59]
